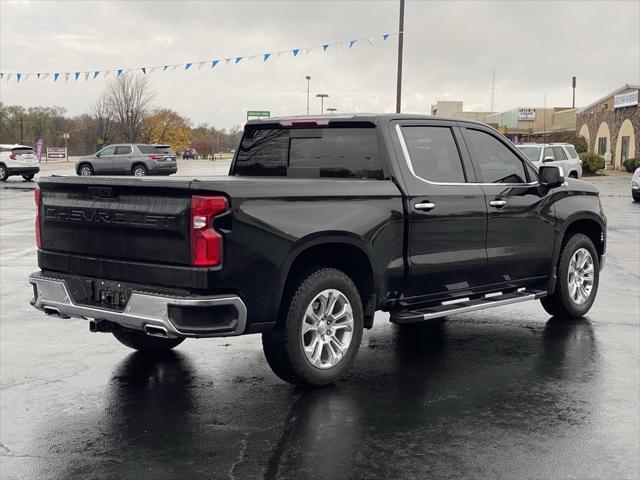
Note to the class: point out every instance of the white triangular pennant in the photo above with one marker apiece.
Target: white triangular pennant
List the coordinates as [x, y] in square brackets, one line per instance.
[44, 76]
[282, 52]
[26, 75]
[174, 68]
[66, 76]
[9, 76]
[107, 73]
[370, 40]
[86, 76]
[152, 69]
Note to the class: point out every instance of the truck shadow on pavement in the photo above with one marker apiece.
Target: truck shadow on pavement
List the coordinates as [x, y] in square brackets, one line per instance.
[403, 411]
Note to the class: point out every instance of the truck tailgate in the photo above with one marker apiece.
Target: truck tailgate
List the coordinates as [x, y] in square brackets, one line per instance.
[117, 218]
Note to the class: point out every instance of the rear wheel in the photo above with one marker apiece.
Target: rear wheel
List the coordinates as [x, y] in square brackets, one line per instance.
[578, 277]
[139, 171]
[142, 342]
[318, 339]
[85, 170]
[28, 178]
[4, 174]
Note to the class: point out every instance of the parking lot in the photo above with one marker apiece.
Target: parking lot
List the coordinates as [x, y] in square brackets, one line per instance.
[503, 393]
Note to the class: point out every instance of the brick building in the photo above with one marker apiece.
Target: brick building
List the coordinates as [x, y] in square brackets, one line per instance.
[611, 125]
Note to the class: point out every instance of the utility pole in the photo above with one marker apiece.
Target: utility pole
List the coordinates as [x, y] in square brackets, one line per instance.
[493, 90]
[308, 77]
[21, 130]
[573, 85]
[400, 46]
[544, 120]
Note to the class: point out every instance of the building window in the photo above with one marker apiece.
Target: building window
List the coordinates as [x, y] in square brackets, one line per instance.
[624, 151]
[602, 146]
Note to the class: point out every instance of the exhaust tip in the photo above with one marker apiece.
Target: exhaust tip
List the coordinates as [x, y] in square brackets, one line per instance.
[155, 331]
[51, 312]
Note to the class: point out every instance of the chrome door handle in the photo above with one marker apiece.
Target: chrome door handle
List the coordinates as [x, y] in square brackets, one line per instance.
[425, 206]
[497, 203]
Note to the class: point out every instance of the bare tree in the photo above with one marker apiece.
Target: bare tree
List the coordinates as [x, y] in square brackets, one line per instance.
[128, 98]
[104, 122]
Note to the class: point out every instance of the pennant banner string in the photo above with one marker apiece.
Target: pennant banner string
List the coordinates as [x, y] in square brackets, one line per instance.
[145, 70]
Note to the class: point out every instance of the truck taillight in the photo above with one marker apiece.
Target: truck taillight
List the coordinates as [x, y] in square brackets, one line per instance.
[155, 157]
[206, 243]
[37, 195]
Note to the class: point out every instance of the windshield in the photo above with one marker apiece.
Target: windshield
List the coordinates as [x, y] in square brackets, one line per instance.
[532, 153]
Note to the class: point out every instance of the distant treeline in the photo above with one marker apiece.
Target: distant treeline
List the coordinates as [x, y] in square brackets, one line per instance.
[124, 113]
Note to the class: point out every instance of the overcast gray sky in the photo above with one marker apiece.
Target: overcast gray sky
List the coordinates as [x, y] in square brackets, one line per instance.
[450, 50]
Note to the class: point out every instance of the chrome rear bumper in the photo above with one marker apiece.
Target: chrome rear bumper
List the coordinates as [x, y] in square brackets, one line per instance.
[143, 311]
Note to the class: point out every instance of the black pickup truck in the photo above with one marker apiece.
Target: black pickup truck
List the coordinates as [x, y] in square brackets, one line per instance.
[320, 223]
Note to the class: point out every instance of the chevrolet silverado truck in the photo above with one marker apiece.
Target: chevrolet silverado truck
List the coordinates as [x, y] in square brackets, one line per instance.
[321, 222]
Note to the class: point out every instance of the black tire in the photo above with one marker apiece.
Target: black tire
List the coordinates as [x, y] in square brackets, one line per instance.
[4, 173]
[561, 304]
[138, 340]
[85, 170]
[636, 197]
[139, 171]
[283, 347]
[28, 178]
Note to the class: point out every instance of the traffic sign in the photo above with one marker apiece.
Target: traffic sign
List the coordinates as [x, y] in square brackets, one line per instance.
[258, 114]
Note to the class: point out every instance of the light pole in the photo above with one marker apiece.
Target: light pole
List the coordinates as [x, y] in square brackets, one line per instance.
[400, 44]
[322, 96]
[331, 110]
[308, 77]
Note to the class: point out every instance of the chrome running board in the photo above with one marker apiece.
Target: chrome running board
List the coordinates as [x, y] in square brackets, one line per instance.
[444, 309]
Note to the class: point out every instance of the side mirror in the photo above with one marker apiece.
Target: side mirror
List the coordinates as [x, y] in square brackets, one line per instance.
[548, 159]
[551, 176]
[98, 154]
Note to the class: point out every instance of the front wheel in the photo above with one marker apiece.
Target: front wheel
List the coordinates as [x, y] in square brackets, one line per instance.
[142, 342]
[4, 173]
[318, 339]
[578, 277]
[85, 170]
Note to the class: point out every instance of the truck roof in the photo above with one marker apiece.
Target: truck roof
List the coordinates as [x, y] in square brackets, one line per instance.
[373, 118]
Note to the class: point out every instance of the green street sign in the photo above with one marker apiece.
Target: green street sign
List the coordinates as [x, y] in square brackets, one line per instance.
[258, 114]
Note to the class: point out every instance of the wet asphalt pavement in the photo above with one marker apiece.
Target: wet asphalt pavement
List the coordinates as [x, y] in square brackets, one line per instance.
[503, 393]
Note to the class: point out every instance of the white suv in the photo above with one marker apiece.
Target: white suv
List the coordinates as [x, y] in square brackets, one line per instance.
[561, 154]
[18, 160]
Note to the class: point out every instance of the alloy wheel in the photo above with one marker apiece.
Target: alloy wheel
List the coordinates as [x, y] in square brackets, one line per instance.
[327, 329]
[581, 276]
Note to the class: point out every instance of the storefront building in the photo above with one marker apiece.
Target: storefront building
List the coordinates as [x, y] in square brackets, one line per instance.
[611, 125]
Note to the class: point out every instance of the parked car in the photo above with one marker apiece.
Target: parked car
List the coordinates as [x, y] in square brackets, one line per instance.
[320, 223]
[129, 159]
[635, 185]
[18, 160]
[561, 154]
[189, 154]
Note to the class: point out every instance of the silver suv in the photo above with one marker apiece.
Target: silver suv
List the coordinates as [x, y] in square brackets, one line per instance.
[129, 159]
[561, 154]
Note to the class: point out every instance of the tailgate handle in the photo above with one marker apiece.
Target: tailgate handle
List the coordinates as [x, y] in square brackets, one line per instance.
[103, 192]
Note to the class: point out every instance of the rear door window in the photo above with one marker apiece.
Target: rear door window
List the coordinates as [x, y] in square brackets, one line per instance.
[497, 164]
[559, 154]
[123, 150]
[571, 151]
[309, 153]
[434, 154]
[155, 149]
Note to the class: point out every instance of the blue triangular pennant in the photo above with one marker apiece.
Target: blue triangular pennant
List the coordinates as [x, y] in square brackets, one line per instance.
[55, 76]
[120, 72]
[144, 70]
[266, 56]
[214, 63]
[1, 75]
[38, 75]
[95, 74]
[164, 69]
[187, 66]
[18, 75]
[352, 43]
[238, 59]
[76, 74]
[295, 52]
[385, 36]
[325, 46]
